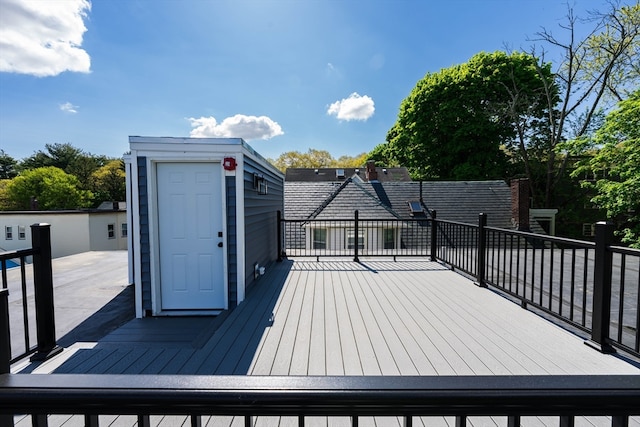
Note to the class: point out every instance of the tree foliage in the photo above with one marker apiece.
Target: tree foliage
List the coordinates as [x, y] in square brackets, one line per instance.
[592, 72]
[70, 159]
[617, 163]
[316, 159]
[8, 166]
[109, 182]
[50, 186]
[456, 123]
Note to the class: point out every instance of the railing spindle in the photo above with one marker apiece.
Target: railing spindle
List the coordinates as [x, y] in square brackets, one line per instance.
[567, 421]
[513, 421]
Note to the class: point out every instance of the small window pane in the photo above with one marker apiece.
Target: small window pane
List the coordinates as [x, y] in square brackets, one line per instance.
[389, 236]
[111, 233]
[22, 232]
[8, 232]
[319, 238]
[351, 238]
[123, 229]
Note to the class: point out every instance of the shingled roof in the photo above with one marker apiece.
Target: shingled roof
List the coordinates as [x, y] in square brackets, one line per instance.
[453, 200]
[342, 174]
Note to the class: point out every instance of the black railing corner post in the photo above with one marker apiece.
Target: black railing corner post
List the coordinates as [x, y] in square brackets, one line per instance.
[434, 236]
[602, 270]
[5, 333]
[43, 291]
[482, 250]
[355, 237]
[279, 233]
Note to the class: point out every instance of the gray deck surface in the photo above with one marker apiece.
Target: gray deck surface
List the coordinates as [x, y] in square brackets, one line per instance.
[409, 317]
[92, 297]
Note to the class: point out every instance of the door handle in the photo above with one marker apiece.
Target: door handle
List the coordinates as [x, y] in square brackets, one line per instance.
[219, 244]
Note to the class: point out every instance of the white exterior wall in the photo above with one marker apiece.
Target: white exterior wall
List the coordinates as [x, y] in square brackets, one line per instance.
[71, 232]
[98, 231]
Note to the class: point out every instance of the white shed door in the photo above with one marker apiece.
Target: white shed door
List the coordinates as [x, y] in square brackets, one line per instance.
[190, 236]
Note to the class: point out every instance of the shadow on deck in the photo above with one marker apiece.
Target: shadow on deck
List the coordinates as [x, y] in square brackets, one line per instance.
[179, 345]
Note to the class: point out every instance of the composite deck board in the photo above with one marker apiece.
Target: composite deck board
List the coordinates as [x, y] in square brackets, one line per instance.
[371, 318]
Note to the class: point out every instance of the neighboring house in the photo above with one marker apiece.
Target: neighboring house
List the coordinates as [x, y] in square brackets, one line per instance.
[203, 214]
[72, 231]
[369, 173]
[326, 207]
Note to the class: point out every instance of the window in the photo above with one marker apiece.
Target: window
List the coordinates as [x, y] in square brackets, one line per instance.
[415, 207]
[351, 233]
[111, 231]
[389, 238]
[319, 238]
[123, 229]
[8, 232]
[21, 232]
[588, 230]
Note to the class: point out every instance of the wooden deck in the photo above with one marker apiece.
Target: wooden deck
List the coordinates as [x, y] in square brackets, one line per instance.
[410, 317]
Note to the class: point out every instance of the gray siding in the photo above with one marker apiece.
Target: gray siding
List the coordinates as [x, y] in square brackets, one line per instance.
[260, 243]
[145, 247]
[232, 240]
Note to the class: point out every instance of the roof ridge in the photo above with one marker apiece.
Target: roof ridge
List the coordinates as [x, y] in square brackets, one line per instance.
[377, 200]
[329, 199]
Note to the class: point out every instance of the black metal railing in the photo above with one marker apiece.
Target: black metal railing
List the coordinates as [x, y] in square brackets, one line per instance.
[355, 237]
[591, 286]
[460, 397]
[35, 294]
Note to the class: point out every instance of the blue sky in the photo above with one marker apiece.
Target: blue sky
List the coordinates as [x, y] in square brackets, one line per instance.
[283, 74]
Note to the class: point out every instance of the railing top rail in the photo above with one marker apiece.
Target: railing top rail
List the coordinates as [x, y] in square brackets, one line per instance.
[328, 395]
[625, 250]
[546, 237]
[17, 253]
[351, 219]
[446, 221]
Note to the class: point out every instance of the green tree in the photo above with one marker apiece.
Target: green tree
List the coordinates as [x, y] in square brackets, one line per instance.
[618, 163]
[4, 201]
[8, 166]
[311, 159]
[457, 123]
[50, 186]
[109, 182]
[591, 73]
[356, 161]
[70, 159]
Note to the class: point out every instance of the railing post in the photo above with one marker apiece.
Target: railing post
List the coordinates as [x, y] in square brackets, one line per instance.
[602, 270]
[481, 248]
[5, 333]
[279, 233]
[5, 346]
[355, 238]
[43, 291]
[434, 236]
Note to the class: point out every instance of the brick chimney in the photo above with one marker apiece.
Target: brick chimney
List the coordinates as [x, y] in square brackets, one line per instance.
[371, 174]
[520, 204]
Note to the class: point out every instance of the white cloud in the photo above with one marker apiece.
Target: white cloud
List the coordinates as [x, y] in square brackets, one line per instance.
[355, 107]
[43, 38]
[238, 126]
[68, 107]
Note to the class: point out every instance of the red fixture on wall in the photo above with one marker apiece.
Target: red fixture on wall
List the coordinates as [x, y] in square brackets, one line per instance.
[229, 164]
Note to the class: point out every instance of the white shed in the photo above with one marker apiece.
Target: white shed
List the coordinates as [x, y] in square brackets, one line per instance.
[203, 215]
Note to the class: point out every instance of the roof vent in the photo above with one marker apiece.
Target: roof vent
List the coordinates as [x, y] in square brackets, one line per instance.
[358, 171]
[316, 171]
[339, 173]
[384, 171]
